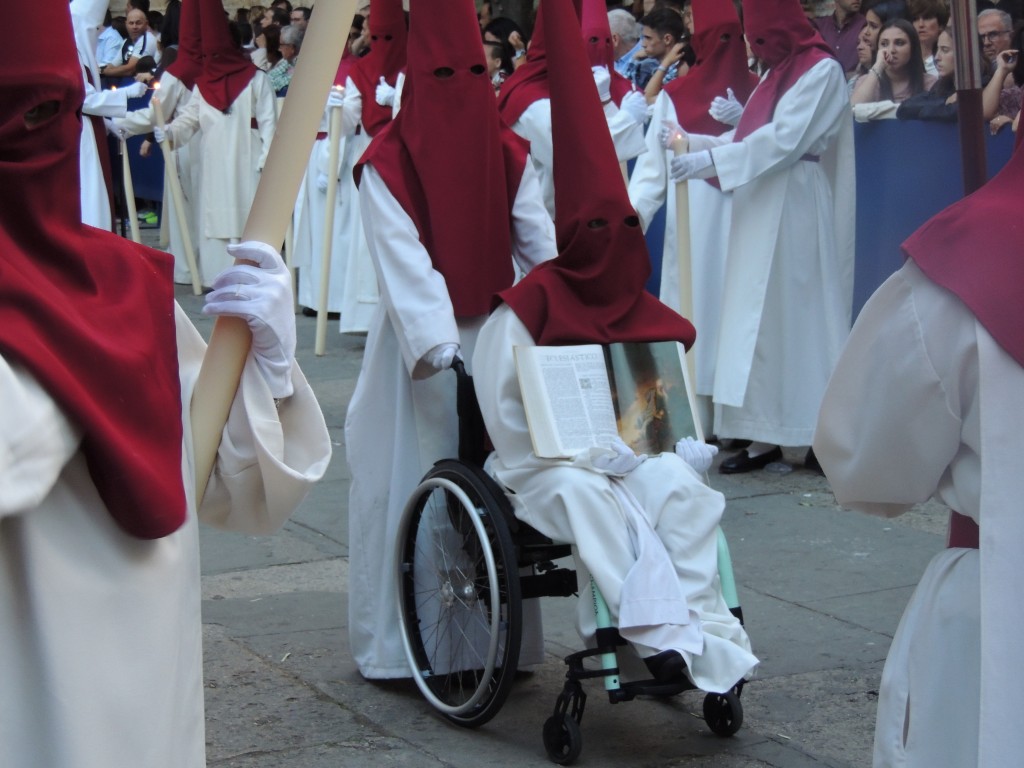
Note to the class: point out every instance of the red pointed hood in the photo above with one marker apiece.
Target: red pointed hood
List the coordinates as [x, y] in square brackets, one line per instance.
[973, 249]
[386, 59]
[593, 292]
[597, 36]
[780, 34]
[226, 68]
[188, 66]
[721, 64]
[89, 314]
[447, 157]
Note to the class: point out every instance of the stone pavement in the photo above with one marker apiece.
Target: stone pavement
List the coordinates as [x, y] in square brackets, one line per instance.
[822, 591]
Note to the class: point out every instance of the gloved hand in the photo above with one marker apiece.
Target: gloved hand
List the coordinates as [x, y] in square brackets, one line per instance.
[669, 132]
[618, 459]
[727, 110]
[603, 81]
[697, 454]
[635, 105]
[336, 98]
[262, 296]
[135, 90]
[385, 94]
[692, 165]
[442, 356]
[114, 128]
[160, 134]
[321, 182]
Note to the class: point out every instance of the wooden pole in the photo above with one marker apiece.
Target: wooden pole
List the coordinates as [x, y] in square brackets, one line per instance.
[268, 219]
[326, 248]
[970, 115]
[129, 192]
[680, 146]
[177, 199]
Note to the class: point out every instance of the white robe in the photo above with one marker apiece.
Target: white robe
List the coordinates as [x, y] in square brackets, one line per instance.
[233, 153]
[788, 293]
[174, 97]
[923, 403]
[402, 419]
[710, 215]
[534, 125]
[104, 629]
[649, 539]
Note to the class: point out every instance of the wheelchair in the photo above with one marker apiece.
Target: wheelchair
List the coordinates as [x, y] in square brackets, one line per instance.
[466, 563]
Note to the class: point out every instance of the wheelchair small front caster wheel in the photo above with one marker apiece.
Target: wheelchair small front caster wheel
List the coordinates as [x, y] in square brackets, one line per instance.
[723, 713]
[563, 739]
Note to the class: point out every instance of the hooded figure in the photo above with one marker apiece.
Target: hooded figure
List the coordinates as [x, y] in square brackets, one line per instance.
[447, 199]
[236, 116]
[97, 193]
[99, 594]
[646, 532]
[789, 166]
[720, 66]
[370, 98]
[175, 92]
[597, 36]
[943, 338]
[525, 105]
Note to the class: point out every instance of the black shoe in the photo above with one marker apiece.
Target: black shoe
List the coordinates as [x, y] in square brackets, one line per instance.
[310, 312]
[736, 444]
[667, 666]
[742, 462]
[811, 462]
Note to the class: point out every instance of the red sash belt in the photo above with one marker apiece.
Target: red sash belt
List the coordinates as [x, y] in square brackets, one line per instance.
[963, 531]
[321, 135]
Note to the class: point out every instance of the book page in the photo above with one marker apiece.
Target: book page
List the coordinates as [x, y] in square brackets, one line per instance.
[567, 398]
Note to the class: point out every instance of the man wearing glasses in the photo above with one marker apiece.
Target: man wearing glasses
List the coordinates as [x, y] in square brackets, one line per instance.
[994, 33]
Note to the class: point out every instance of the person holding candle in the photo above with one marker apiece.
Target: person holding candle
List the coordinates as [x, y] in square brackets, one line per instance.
[233, 109]
[100, 585]
[447, 199]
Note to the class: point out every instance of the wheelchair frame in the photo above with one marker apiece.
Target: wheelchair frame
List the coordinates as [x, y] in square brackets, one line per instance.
[460, 550]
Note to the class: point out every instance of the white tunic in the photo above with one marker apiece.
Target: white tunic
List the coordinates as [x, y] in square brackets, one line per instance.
[234, 152]
[648, 539]
[788, 292]
[534, 125]
[174, 97]
[710, 214]
[402, 419]
[106, 628]
[924, 403]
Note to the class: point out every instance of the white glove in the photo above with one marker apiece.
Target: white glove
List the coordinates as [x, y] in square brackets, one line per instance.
[697, 454]
[635, 105]
[603, 81]
[692, 165]
[669, 132]
[114, 128]
[321, 182]
[442, 356]
[336, 98]
[160, 134]
[727, 110]
[618, 458]
[262, 296]
[135, 90]
[385, 94]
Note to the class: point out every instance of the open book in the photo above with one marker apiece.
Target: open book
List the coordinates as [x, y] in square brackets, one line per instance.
[581, 396]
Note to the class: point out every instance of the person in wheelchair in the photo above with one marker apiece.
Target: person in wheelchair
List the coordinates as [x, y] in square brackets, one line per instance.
[644, 528]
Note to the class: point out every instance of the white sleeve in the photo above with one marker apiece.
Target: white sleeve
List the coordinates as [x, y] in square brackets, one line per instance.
[352, 110]
[627, 133]
[889, 424]
[105, 103]
[36, 440]
[264, 109]
[533, 232]
[414, 293]
[185, 125]
[806, 116]
[648, 184]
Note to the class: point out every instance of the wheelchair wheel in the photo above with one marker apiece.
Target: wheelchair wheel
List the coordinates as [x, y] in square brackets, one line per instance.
[563, 739]
[723, 713]
[459, 597]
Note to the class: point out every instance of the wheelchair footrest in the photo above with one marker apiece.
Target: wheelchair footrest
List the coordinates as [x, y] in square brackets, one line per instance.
[560, 582]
